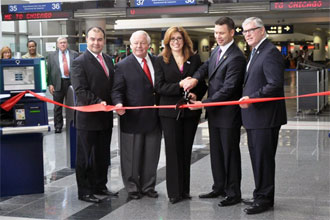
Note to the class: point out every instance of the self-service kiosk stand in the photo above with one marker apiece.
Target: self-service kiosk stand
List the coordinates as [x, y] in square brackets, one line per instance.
[22, 128]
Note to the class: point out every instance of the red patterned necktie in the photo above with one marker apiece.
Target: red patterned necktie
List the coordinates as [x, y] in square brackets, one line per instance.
[99, 56]
[65, 65]
[147, 70]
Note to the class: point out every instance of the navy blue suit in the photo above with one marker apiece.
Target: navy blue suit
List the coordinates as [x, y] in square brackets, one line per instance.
[225, 84]
[264, 78]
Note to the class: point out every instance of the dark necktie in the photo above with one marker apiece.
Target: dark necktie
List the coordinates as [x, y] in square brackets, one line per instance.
[99, 56]
[65, 65]
[252, 54]
[218, 56]
[147, 70]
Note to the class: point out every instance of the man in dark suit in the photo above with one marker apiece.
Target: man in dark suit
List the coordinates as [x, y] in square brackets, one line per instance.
[92, 79]
[225, 70]
[58, 66]
[140, 133]
[264, 77]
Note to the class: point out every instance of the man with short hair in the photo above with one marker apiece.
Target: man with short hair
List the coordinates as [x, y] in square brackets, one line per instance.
[58, 66]
[92, 78]
[140, 132]
[264, 78]
[225, 70]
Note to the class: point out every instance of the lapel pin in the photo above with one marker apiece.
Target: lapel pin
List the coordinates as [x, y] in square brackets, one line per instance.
[258, 52]
[224, 57]
[188, 62]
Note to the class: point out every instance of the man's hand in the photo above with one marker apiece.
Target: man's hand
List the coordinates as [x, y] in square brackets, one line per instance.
[120, 111]
[51, 89]
[244, 105]
[189, 83]
[195, 102]
[103, 103]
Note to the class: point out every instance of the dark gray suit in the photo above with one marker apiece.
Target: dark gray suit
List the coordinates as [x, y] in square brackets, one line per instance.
[91, 86]
[60, 84]
[264, 78]
[225, 84]
[140, 130]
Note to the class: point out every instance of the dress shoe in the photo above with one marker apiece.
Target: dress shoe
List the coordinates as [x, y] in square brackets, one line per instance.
[151, 193]
[105, 192]
[175, 200]
[228, 201]
[89, 198]
[186, 196]
[134, 195]
[58, 130]
[212, 194]
[257, 208]
[248, 201]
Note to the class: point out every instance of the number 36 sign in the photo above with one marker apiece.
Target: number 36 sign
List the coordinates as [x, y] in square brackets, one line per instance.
[150, 3]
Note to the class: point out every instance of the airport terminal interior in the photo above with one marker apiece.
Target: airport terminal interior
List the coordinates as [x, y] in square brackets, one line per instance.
[302, 177]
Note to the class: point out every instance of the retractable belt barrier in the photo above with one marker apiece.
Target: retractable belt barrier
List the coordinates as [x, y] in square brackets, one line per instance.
[99, 107]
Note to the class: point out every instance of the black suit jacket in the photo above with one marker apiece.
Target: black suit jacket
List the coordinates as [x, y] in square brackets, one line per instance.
[91, 86]
[167, 78]
[265, 78]
[54, 69]
[133, 88]
[225, 84]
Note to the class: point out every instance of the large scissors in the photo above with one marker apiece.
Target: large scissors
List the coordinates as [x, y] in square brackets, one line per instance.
[184, 100]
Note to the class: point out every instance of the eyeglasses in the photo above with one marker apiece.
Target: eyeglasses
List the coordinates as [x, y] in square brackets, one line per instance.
[251, 31]
[179, 39]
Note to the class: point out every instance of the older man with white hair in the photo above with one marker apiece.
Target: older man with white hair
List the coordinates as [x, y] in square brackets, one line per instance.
[59, 63]
[140, 132]
[264, 78]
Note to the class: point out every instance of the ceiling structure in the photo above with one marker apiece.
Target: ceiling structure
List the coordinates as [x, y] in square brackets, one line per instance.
[305, 22]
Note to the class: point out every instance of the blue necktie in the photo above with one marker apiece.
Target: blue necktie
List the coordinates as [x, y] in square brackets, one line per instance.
[252, 54]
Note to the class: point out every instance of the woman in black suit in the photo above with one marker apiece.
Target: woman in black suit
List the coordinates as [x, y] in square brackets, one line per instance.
[176, 62]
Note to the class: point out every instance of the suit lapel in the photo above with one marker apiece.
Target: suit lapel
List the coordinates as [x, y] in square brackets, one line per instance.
[254, 58]
[223, 59]
[96, 63]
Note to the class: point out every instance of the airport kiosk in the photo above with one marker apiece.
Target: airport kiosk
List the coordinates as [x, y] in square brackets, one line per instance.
[22, 128]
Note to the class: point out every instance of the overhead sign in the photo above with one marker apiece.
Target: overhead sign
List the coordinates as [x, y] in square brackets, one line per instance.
[279, 29]
[271, 29]
[36, 15]
[299, 5]
[39, 7]
[151, 3]
[157, 11]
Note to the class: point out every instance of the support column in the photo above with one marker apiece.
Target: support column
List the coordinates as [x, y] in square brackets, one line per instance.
[204, 48]
[319, 44]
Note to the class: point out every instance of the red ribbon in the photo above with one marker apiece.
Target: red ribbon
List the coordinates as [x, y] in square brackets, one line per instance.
[9, 104]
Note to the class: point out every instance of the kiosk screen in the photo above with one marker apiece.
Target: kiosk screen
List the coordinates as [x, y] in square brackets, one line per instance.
[18, 78]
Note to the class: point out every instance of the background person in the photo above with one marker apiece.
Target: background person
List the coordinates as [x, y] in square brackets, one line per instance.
[5, 53]
[58, 66]
[176, 62]
[32, 50]
[92, 78]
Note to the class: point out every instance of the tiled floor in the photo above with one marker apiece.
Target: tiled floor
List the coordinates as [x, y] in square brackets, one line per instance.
[302, 180]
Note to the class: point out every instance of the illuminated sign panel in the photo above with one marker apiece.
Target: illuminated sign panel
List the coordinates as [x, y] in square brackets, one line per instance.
[154, 11]
[298, 5]
[26, 8]
[152, 3]
[271, 29]
[36, 15]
